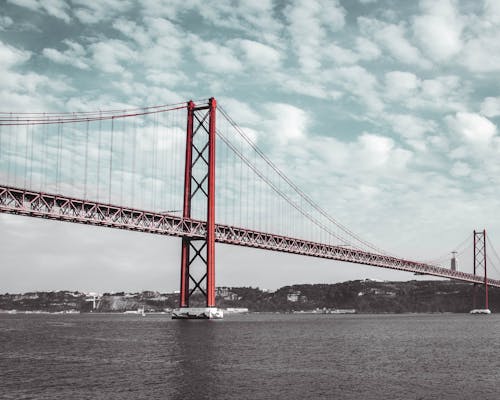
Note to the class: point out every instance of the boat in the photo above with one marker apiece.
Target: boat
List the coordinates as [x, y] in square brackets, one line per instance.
[139, 311]
[481, 311]
[197, 313]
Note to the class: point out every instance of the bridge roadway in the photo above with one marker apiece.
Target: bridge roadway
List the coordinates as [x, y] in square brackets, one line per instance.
[62, 208]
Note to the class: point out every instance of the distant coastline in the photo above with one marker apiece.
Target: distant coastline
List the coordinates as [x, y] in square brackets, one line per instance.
[360, 296]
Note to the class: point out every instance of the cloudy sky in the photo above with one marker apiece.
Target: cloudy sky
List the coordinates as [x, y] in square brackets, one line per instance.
[385, 112]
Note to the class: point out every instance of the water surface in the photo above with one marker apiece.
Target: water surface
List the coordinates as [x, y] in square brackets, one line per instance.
[255, 356]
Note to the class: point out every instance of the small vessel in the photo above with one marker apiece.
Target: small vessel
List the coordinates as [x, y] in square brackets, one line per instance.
[197, 313]
[139, 311]
[480, 311]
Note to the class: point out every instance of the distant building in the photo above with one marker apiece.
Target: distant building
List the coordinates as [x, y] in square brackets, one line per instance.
[225, 293]
[293, 297]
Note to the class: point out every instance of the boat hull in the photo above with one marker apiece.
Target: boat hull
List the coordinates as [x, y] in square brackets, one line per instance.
[481, 311]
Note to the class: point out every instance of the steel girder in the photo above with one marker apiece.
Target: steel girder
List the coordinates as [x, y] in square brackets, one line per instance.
[62, 208]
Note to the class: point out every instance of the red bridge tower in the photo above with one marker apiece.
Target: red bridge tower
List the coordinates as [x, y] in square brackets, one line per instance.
[198, 255]
[480, 264]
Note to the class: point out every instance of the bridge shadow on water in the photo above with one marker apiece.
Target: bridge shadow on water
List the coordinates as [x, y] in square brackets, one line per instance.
[197, 353]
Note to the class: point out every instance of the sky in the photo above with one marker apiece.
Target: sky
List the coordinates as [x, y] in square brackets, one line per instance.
[385, 112]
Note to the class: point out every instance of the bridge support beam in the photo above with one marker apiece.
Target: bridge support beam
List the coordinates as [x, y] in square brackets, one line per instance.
[198, 255]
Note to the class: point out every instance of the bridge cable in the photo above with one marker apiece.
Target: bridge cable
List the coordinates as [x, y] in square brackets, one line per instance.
[294, 187]
[276, 189]
[446, 256]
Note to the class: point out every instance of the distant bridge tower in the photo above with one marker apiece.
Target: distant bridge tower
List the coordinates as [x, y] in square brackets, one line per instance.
[454, 260]
[480, 264]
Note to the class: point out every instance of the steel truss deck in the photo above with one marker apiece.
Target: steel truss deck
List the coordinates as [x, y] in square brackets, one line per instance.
[63, 208]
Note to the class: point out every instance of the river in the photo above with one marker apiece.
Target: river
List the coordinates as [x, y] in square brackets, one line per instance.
[253, 356]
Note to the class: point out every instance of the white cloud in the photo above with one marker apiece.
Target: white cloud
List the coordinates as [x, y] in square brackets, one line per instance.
[375, 150]
[492, 10]
[74, 55]
[368, 152]
[393, 38]
[309, 23]
[254, 18]
[92, 12]
[133, 31]
[161, 53]
[5, 22]
[215, 57]
[460, 169]
[340, 55]
[55, 8]
[26, 91]
[400, 84]
[442, 93]
[367, 50]
[239, 111]
[109, 55]
[288, 123]
[312, 86]
[439, 29]
[410, 126]
[139, 93]
[11, 56]
[490, 107]
[473, 127]
[258, 54]
[166, 78]
[481, 51]
[361, 83]
[482, 54]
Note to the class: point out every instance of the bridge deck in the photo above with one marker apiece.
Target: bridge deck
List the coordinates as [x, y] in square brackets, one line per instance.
[63, 208]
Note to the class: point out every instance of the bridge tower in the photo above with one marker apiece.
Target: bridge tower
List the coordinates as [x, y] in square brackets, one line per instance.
[480, 265]
[198, 255]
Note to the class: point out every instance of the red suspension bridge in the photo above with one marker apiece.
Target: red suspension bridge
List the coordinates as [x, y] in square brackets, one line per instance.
[149, 170]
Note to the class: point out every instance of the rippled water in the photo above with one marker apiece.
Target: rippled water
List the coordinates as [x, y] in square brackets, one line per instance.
[256, 356]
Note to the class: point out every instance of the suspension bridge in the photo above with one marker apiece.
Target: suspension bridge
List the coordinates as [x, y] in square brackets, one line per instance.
[163, 170]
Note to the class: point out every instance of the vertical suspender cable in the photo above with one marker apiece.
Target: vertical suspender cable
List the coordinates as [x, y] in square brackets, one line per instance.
[122, 158]
[153, 161]
[72, 157]
[26, 147]
[9, 152]
[86, 160]
[59, 145]
[111, 159]
[32, 155]
[134, 150]
[45, 156]
[99, 142]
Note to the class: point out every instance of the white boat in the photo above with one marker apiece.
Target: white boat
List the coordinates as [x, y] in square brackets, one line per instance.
[481, 311]
[197, 313]
[239, 310]
[139, 311]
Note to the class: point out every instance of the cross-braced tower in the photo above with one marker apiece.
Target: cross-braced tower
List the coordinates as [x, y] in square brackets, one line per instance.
[480, 265]
[198, 255]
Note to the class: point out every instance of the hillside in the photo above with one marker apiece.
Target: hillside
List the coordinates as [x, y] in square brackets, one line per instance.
[365, 296]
